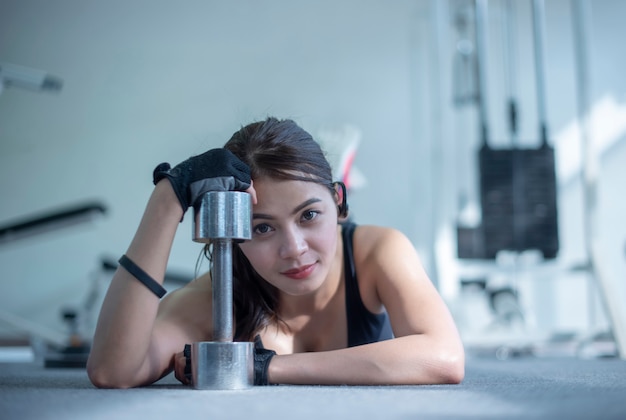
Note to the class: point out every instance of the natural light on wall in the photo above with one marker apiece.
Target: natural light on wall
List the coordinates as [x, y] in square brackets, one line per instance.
[607, 126]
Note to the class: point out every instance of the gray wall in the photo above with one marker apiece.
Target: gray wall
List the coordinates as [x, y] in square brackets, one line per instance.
[147, 82]
[151, 81]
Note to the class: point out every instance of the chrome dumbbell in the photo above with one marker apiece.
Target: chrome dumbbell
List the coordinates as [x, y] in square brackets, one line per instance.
[221, 218]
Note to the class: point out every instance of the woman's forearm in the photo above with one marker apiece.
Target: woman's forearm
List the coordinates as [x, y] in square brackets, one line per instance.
[122, 341]
[410, 360]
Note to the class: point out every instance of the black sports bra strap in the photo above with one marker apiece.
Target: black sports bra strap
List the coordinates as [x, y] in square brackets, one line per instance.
[347, 232]
[363, 326]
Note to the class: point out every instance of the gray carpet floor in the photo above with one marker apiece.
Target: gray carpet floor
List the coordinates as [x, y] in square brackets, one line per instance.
[522, 388]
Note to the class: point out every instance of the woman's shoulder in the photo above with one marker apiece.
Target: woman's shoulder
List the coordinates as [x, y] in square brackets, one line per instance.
[372, 238]
[378, 252]
[375, 246]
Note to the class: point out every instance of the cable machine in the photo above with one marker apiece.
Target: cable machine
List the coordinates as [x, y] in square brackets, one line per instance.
[518, 189]
[517, 185]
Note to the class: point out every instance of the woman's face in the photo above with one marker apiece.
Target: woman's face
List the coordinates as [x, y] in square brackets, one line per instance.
[294, 234]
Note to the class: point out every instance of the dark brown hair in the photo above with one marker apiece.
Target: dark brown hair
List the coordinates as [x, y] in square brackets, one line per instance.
[278, 149]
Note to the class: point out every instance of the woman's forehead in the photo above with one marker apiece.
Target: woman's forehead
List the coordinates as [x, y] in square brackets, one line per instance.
[269, 185]
[273, 192]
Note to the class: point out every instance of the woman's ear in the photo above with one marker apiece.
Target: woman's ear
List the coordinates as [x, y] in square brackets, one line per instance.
[341, 199]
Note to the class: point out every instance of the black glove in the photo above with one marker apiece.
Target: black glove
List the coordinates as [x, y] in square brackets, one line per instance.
[262, 357]
[187, 354]
[215, 170]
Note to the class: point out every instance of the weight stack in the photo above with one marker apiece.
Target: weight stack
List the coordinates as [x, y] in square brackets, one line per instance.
[518, 200]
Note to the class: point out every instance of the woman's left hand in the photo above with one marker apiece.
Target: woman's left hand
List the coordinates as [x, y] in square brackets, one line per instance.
[180, 363]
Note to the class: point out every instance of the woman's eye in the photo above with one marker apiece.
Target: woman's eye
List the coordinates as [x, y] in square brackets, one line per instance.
[262, 228]
[309, 215]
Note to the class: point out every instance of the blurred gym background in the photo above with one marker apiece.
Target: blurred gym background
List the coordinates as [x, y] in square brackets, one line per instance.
[491, 133]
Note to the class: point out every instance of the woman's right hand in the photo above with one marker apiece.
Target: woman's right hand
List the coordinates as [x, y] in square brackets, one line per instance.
[215, 170]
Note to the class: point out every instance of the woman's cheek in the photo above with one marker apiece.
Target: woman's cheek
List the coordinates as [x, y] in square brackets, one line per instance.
[257, 253]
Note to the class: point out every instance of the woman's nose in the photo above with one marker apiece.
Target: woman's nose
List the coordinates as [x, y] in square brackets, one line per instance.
[293, 245]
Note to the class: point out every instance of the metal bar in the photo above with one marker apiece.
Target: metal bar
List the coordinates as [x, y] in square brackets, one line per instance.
[509, 53]
[50, 221]
[222, 278]
[539, 36]
[481, 53]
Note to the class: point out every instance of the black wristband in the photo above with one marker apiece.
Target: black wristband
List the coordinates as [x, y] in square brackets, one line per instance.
[262, 358]
[187, 354]
[142, 276]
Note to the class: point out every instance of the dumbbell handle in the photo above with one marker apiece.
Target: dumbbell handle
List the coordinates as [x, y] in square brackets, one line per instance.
[222, 279]
[220, 218]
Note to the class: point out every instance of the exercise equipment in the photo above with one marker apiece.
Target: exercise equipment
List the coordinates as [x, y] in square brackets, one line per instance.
[68, 349]
[12, 75]
[50, 220]
[517, 185]
[61, 350]
[221, 218]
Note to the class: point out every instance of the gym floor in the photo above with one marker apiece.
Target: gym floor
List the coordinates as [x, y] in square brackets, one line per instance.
[518, 388]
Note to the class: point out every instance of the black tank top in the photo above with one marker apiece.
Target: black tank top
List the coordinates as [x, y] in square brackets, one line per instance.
[363, 326]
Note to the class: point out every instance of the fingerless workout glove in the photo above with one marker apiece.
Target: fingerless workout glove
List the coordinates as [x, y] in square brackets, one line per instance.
[215, 170]
[262, 358]
[187, 354]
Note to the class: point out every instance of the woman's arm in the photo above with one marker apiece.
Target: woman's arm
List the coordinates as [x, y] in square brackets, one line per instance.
[136, 337]
[426, 349]
[408, 360]
[127, 350]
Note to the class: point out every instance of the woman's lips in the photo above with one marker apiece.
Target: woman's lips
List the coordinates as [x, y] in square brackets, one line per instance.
[300, 272]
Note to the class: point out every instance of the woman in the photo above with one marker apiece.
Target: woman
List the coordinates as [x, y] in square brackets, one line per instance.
[320, 294]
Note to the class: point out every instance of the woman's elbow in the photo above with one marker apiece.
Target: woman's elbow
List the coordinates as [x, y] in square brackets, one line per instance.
[102, 376]
[101, 379]
[451, 368]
